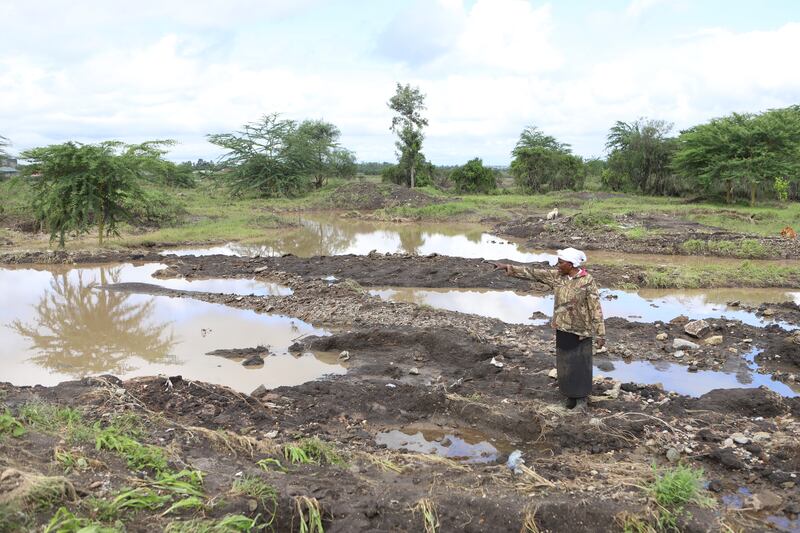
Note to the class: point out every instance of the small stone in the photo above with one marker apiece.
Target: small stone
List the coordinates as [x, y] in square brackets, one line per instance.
[605, 366]
[679, 354]
[739, 438]
[715, 485]
[414, 371]
[747, 340]
[259, 391]
[662, 337]
[692, 368]
[768, 311]
[344, 355]
[766, 499]
[761, 436]
[252, 505]
[261, 269]
[727, 443]
[673, 455]
[714, 340]
[271, 434]
[788, 485]
[553, 374]
[697, 328]
[683, 344]
[95, 485]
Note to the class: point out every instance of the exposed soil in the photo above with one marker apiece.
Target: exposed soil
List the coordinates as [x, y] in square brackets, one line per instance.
[411, 365]
[369, 196]
[666, 234]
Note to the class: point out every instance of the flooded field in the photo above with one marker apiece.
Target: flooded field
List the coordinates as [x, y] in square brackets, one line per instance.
[62, 326]
[642, 306]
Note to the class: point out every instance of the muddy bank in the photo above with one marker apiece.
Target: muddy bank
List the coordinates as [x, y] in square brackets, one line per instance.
[370, 196]
[653, 233]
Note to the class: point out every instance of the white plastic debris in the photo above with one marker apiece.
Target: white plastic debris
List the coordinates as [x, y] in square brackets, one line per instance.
[495, 362]
[514, 462]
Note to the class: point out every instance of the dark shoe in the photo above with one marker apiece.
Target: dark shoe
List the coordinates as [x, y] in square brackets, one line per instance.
[570, 403]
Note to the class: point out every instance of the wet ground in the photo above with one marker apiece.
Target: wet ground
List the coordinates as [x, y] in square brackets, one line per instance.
[440, 385]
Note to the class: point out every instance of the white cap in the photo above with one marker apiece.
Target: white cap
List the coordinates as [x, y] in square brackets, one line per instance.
[572, 255]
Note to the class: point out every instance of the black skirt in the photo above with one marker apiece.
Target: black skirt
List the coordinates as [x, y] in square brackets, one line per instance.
[574, 364]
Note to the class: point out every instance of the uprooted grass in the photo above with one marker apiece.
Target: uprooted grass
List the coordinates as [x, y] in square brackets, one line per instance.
[311, 451]
[309, 514]
[265, 494]
[231, 523]
[430, 518]
[233, 442]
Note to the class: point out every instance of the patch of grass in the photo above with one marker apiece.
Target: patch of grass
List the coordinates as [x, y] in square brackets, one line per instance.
[190, 502]
[228, 524]
[311, 450]
[592, 219]
[638, 233]
[430, 519]
[65, 521]
[47, 492]
[744, 248]
[139, 456]
[10, 425]
[258, 489]
[309, 513]
[70, 460]
[51, 418]
[672, 490]
[270, 463]
[745, 274]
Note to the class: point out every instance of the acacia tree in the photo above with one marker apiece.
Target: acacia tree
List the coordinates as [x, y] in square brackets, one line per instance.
[408, 103]
[4, 143]
[278, 157]
[542, 163]
[639, 157]
[76, 185]
[742, 151]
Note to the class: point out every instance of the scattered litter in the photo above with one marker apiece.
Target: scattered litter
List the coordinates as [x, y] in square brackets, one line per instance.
[391, 385]
[515, 461]
[495, 362]
[344, 355]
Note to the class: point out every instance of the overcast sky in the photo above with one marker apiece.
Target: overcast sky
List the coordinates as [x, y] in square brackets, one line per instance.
[92, 70]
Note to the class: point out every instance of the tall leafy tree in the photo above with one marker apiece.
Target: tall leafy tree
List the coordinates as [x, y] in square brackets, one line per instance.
[742, 152]
[639, 157]
[474, 177]
[4, 144]
[541, 163]
[408, 103]
[77, 185]
[278, 157]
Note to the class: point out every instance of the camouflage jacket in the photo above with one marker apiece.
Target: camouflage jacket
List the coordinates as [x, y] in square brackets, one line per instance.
[577, 302]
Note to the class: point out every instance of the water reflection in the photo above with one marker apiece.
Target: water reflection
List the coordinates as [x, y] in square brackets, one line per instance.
[516, 308]
[80, 331]
[678, 378]
[467, 447]
[329, 235]
[62, 327]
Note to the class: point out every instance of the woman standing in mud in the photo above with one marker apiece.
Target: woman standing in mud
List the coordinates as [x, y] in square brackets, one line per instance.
[577, 318]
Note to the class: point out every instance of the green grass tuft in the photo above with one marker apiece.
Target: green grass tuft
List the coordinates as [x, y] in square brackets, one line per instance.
[311, 450]
[10, 425]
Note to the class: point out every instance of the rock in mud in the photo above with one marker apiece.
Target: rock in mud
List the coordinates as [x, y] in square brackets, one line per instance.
[683, 344]
[673, 455]
[714, 340]
[414, 371]
[662, 336]
[739, 438]
[679, 354]
[697, 328]
[605, 366]
[253, 360]
[259, 391]
[553, 374]
[766, 499]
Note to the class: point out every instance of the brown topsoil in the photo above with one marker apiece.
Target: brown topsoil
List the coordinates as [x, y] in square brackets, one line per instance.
[365, 195]
[412, 366]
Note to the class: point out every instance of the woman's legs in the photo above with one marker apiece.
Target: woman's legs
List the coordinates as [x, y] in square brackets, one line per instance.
[574, 367]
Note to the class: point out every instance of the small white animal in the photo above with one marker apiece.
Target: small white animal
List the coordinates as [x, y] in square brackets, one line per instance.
[552, 214]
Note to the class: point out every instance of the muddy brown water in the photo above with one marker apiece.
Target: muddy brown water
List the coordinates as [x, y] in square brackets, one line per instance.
[60, 326]
[642, 306]
[329, 234]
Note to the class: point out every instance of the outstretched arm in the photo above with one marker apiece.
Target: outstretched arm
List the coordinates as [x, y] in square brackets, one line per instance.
[546, 276]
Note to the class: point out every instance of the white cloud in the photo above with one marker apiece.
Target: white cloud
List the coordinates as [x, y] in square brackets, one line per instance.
[497, 70]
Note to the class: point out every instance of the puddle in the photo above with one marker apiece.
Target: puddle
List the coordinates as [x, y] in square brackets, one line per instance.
[677, 378]
[462, 445]
[61, 327]
[330, 235]
[39, 277]
[782, 523]
[516, 308]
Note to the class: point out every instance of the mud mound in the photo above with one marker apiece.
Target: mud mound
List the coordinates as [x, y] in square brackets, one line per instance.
[366, 195]
[438, 345]
[744, 402]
